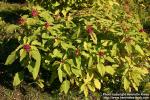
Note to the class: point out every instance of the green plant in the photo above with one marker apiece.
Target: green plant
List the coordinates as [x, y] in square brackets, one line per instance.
[53, 4]
[96, 49]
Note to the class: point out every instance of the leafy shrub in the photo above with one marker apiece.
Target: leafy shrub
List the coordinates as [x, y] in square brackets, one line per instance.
[55, 4]
[96, 49]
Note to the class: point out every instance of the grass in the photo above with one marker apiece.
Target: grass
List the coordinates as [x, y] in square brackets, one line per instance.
[18, 94]
[28, 92]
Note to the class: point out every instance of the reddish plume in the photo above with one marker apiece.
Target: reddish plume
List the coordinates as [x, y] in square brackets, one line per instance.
[27, 47]
[46, 25]
[77, 52]
[89, 29]
[101, 53]
[21, 21]
[34, 13]
[141, 30]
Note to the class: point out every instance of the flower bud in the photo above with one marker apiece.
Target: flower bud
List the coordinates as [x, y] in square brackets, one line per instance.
[77, 52]
[46, 25]
[141, 30]
[21, 21]
[27, 47]
[101, 53]
[89, 29]
[34, 13]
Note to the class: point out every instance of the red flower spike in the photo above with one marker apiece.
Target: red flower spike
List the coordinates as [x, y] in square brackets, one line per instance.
[141, 30]
[101, 53]
[21, 21]
[46, 25]
[77, 52]
[89, 29]
[34, 13]
[27, 47]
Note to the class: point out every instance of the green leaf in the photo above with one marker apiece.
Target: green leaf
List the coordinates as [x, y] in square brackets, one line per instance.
[86, 92]
[45, 36]
[64, 45]
[23, 54]
[90, 63]
[56, 4]
[30, 68]
[94, 38]
[101, 69]
[70, 62]
[126, 83]
[57, 53]
[56, 27]
[85, 46]
[139, 49]
[128, 59]
[147, 87]
[105, 43]
[65, 86]
[11, 58]
[46, 16]
[85, 54]
[128, 48]
[57, 42]
[136, 77]
[60, 73]
[20, 46]
[37, 31]
[35, 55]
[97, 84]
[35, 42]
[76, 71]
[110, 70]
[143, 71]
[37, 7]
[17, 78]
[88, 78]
[67, 69]
[40, 83]
[109, 59]
[84, 89]
[78, 62]
[134, 85]
[31, 21]
[114, 50]
[25, 39]
[11, 28]
[64, 12]
[91, 87]
[52, 32]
